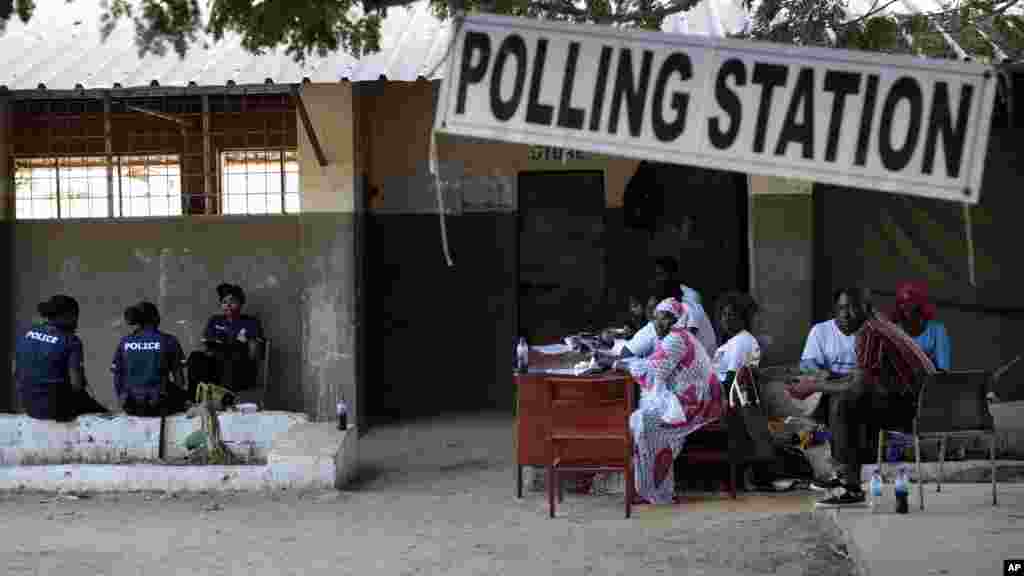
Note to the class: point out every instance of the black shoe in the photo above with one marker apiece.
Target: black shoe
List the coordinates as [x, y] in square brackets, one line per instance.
[845, 499]
[829, 484]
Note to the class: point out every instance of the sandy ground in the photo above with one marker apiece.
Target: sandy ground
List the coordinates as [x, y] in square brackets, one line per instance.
[436, 497]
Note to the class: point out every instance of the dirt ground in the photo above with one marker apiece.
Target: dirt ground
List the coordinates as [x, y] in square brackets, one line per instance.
[435, 497]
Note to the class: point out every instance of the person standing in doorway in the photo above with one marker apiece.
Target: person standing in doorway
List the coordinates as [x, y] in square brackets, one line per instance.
[666, 281]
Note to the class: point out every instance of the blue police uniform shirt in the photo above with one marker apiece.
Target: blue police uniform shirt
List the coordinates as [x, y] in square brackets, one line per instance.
[221, 328]
[44, 357]
[142, 362]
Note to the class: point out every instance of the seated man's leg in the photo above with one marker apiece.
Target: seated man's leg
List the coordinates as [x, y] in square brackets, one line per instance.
[845, 422]
[849, 422]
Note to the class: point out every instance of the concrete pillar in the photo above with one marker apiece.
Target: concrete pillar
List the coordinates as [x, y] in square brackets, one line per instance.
[782, 219]
[328, 249]
[7, 401]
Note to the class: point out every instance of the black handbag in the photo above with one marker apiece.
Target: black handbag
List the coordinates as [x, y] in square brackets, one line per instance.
[749, 436]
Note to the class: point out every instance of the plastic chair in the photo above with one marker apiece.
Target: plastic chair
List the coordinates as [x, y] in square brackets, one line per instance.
[950, 404]
[589, 431]
[259, 395]
[256, 394]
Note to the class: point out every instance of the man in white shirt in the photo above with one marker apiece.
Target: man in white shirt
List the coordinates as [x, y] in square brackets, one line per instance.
[831, 345]
[642, 344]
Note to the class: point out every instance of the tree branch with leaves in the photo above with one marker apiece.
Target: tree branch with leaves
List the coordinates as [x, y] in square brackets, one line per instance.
[307, 27]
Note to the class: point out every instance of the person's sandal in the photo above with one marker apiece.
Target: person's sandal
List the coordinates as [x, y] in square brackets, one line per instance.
[845, 499]
[827, 484]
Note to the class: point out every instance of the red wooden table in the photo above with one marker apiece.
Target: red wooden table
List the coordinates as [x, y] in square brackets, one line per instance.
[532, 421]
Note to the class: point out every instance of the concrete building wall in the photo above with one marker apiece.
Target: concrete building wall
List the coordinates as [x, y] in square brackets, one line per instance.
[6, 188]
[419, 305]
[176, 264]
[328, 303]
[6, 252]
[298, 271]
[782, 218]
[878, 240]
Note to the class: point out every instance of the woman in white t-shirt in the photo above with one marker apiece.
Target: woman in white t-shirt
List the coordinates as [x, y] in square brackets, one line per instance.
[735, 312]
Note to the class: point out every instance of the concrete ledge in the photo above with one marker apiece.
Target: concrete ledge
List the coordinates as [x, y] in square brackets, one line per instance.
[315, 455]
[958, 532]
[309, 455]
[127, 439]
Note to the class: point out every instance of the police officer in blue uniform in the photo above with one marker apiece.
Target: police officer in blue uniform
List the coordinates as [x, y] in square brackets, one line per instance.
[50, 366]
[232, 345]
[147, 366]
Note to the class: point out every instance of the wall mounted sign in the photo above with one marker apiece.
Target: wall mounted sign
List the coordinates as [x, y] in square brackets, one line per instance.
[557, 154]
[888, 122]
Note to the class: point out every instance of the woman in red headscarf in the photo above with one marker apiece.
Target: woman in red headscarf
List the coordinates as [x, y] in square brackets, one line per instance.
[915, 313]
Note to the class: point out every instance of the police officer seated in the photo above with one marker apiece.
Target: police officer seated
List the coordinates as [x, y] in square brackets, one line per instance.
[49, 365]
[147, 366]
[232, 346]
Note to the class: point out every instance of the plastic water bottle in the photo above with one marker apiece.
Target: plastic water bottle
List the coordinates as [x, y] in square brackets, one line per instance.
[342, 410]
[522, 356]
[902, 492]
[876, 491]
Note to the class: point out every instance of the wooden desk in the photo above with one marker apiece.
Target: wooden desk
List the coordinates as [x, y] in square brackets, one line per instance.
[532, 422]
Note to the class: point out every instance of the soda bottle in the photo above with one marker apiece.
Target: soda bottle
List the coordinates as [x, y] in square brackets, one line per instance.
[522, 356]
[876, 491]
[902, 492]
[342, 409]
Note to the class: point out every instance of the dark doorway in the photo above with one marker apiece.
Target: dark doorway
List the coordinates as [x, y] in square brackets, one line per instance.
[697, 216]
[561, 256]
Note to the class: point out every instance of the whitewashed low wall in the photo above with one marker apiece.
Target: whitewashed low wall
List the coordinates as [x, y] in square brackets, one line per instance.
[307, 456]
[127, 439]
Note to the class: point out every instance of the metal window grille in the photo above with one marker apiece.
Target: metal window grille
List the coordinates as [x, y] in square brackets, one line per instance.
[260, 181]
[77, 187]
[148, 186]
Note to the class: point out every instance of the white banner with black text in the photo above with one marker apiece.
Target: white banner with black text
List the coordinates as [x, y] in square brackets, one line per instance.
[886, 122]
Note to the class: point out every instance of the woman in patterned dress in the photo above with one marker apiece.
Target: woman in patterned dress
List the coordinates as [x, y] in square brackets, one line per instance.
[679, 394]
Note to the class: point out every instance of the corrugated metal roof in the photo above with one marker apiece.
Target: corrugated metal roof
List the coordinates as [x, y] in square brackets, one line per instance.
[61, 47]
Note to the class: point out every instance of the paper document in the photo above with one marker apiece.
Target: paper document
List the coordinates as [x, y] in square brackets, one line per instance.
[553, 349]
[559, 371]
[618, 346]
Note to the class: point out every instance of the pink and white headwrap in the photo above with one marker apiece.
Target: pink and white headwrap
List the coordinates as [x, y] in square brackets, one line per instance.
[672, 306]
[675, 308]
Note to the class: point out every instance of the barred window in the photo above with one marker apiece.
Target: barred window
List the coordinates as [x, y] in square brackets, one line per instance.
[149, 186]
[77, 187]
[260, 181]
[35, 188]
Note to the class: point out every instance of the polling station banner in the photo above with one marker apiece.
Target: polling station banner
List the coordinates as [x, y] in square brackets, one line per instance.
[886, 122]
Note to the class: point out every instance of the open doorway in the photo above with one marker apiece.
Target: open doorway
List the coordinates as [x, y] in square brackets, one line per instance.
[698, 216]
[561, 255]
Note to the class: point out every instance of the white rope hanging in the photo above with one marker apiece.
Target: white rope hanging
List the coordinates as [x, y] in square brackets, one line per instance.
[434, 169]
